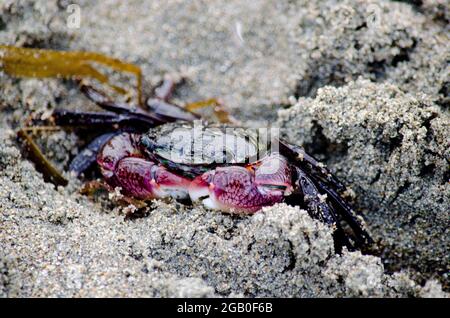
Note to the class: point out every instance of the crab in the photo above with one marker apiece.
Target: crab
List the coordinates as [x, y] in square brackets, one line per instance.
[161, 150]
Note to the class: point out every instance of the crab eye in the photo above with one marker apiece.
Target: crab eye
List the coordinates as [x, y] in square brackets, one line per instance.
[106, 162]
[274, 187]
[147, 143]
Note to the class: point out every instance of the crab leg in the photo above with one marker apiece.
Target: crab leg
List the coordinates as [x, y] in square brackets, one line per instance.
[119, 108]
[63, 117]
[321, 178]
[88, 156]
[160, 104]
[165, 90]
[317, 205]
[160, 111]
[170, 112]
[348, 215]
[308, 162]
[321, 210]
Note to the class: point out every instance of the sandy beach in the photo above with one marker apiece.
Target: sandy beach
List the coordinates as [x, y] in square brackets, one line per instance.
[361, 85]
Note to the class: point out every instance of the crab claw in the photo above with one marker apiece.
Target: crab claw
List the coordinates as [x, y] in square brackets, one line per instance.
[238, 189]
[146, 180]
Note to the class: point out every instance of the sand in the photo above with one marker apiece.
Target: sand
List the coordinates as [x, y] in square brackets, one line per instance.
[362, 87]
